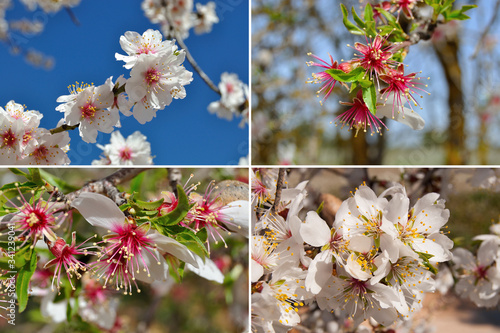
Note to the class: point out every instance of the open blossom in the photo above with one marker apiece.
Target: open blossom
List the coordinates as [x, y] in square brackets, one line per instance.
[129, 251]
[360, 117]
[35, 219]
[400, 88]
[210, 213]
[90, 107]
[478, 277]
[11, 139]
[325, 78]
[156, 81]
[47, 149]
[374, 57]
[134, 44]
[133, 150]
[233, 97]
[65, 259]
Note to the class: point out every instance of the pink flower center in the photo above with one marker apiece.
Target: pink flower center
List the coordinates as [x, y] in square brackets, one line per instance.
[125, 154]
[481, 272]
[152, 76]
[229, 87]
[27, 137]
[88, 111]
[9, 139]
[145, 49]
[40, 153]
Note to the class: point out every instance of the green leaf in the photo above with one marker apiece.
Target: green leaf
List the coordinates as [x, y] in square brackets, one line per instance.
[135, 184]
[19, 172]
[459, 13]
[179, 213]
[23, 281]
[365, 83]
[62, 185]
[370, 98]
[35, 176]
[191, 240]
[357, 19]
[389, 17]
[348, 24]
[342, 76]
[369, 21]
[148, 205]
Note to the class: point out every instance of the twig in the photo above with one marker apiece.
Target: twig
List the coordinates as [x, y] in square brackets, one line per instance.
[72, 16]
[486, 29]
[63, 128]
[106, 186]
[279, 187]
[191, 60]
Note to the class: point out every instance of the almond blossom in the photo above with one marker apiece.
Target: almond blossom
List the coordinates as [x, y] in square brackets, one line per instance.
[133, 150]
[90, 108]
[156, 81]
[129, 251]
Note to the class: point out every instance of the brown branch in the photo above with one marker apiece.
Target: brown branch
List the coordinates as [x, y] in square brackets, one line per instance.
[279, 187]
[63, 128]
[191, 60]
[106, 186]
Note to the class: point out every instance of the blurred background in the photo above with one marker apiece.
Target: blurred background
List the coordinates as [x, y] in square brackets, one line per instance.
[192, 305]
[289, 126]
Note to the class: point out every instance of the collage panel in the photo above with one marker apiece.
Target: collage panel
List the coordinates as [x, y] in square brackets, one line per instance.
[358, 82]
[124, 83]
[364, 250]
[124, 250]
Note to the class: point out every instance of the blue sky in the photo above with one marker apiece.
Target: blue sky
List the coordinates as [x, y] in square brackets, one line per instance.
[184, 133]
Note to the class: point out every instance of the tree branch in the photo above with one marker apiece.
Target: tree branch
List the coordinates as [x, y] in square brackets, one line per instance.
[279, 187]
[191, 60]
[63, 128]
[106, 186]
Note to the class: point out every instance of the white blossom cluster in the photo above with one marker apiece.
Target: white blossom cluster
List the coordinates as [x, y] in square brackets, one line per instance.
[179, 15]
[157, 77]
[24, 142]
[375, 262]
[234, 98]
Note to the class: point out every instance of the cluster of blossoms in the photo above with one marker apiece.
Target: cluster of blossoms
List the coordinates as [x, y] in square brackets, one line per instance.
[234, 99]
[24, 142]
[376, 63]
[375, 262]
[130, 248]
[211, 212]
[157, 77]
[134, 150]
[178, 15]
